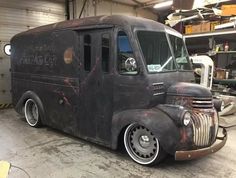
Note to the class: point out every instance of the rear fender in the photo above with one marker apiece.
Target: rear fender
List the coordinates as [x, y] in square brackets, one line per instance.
[27, 95]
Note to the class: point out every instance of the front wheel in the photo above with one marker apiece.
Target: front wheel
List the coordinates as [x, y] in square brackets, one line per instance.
[32, 113]
[142, 146]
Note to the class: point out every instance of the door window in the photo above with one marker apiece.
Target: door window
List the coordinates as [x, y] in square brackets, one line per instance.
[87, 52]
[125, 55]
[105, 52]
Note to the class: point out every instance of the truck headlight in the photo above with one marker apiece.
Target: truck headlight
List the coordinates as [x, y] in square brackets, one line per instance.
[186, 118]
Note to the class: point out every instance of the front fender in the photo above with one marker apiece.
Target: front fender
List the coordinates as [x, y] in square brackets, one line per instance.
[154, 119]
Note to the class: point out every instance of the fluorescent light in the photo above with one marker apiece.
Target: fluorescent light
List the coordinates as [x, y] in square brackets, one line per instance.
[163, 4]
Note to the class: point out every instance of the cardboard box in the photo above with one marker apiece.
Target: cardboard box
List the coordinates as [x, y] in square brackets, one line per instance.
[220, 73]
[202, 27]
[196, 28]
[205, 27]
[228, 10]
[188, 29]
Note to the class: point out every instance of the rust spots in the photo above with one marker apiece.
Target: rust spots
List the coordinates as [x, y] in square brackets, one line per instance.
[146, 114]
[68, 55]
[180, 89]
[180, 100]
[68, 82]
[91, 73]
[62, 95]
[66, 100]
[183, 135]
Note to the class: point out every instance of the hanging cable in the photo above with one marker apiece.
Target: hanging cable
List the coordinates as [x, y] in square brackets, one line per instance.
[85, 1]
[17, 167]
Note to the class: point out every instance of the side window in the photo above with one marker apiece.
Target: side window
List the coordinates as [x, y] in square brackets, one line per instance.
[126, 64]
[105, 52]
[87, 52]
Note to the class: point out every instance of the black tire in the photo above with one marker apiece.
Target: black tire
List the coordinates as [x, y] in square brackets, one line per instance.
[142, 146]
[32, 114]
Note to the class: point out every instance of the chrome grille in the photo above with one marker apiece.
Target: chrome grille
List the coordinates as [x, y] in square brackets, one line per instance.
[202, 103]
[204, 129]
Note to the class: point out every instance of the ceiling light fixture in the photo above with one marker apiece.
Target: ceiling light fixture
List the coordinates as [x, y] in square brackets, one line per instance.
[163, 4]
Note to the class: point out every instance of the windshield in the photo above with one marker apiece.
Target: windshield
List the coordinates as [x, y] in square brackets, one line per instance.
[180, 53]
[157, 52]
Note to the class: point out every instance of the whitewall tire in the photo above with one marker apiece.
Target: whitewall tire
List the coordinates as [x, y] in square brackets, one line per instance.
[31, 111]
[142, 146]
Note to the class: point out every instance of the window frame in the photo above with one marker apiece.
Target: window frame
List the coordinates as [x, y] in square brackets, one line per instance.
[116, 53]
[186, 50]
[101, 50]
[141, 51]
[91, 50]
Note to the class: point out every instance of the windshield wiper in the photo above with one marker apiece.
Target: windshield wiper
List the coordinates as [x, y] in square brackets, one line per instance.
[165, 64]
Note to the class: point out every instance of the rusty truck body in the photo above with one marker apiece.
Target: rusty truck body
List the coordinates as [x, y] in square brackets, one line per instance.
[115, 80]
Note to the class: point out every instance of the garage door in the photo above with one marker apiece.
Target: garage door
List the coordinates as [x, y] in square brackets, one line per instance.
[17, 16]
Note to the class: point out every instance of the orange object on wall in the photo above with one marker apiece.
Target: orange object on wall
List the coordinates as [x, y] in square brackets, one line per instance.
[188, 29]
[228, 10]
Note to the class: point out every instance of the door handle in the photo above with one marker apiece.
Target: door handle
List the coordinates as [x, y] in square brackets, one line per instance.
[61, 101]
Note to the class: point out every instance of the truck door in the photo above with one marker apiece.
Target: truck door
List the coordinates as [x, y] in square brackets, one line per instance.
[130, 86]
[96, 86]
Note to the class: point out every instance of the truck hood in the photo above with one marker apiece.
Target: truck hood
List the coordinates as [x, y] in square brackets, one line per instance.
[189, 89]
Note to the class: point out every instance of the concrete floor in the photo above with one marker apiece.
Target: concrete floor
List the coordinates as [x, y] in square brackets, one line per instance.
[48, 153]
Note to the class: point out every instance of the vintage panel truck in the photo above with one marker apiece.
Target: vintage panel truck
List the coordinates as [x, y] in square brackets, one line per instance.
[115, 80]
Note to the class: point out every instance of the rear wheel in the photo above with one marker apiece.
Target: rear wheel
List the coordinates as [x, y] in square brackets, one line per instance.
[142, 146]
[31, 111]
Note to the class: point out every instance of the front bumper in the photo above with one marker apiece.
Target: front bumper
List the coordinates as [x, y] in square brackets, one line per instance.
[193, 154]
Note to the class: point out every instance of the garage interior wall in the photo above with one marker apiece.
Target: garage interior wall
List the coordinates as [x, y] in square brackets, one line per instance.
[17, 16]
[109, 7]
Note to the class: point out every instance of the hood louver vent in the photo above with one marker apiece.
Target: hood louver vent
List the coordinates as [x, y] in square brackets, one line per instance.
[158, 88]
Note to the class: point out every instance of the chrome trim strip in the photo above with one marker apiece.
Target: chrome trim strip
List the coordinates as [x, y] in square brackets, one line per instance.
[202, 99]
[160, 83]
[156, 94]
[202, 106]
[203, 102]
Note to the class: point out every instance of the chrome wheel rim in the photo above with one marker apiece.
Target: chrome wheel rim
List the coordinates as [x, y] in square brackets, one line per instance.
[141, 144]
[31, 112]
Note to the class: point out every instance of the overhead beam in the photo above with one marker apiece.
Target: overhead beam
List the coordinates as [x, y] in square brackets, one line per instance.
[150, 3]
[121, 3]
[137, 2]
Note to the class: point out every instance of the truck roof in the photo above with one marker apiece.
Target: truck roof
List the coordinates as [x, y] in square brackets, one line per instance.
[99, 22]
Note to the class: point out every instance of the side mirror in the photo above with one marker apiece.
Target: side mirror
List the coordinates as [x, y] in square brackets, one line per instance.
[191, 61]
[131, 65]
